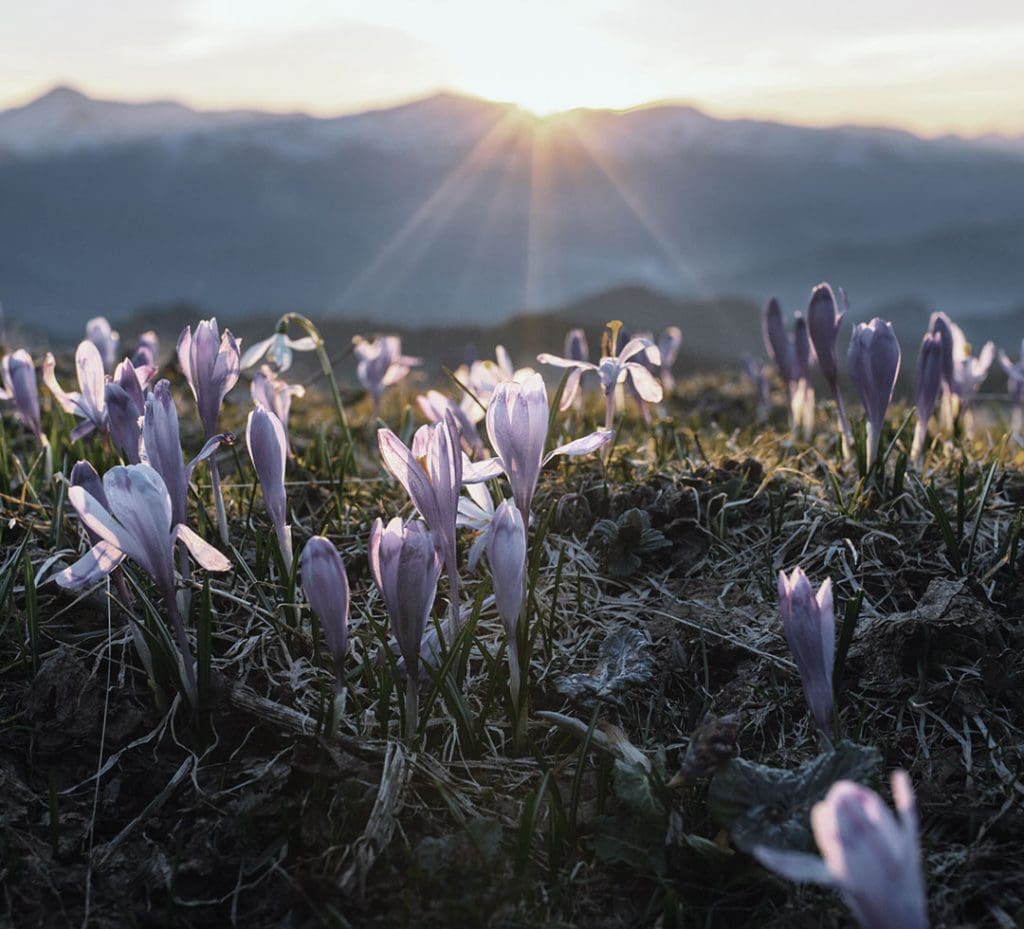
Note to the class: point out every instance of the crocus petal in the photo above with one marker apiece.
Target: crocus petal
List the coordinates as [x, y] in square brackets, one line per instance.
[264, 436]
[506, 555]
[547, 359]
[92, 567]
[68, 401]
[204, 553]
[255, 352]
[475, 472]
[794, 866]
[823, 321]
[572, 386]
[582, 446]
[645, 383]
[142, 506]
[637, 345]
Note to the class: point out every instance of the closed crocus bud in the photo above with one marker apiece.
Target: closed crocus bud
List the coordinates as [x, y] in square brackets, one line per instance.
[406, 567]
[809, 625]
[20, 387]
[106, 340]
[777, 341]
[927, 386]
[873, 362]
[823, 322]
[326, 587]
[506, 555]
[576, 347]
[268, 449]
[872, 858]
[125, 406]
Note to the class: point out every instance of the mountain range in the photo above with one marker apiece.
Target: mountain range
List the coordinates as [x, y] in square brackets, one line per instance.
[452, 208]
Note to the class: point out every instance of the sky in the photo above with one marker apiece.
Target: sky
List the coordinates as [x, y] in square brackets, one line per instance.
[933, 67]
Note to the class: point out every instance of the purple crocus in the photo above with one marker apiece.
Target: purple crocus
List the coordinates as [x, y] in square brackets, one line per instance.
[872, 858]
[147, 351]
[793, 359]
[268, 449]
[88, 403]
[873, 363]
[106, 340]
[809, 624]
[20, 387]
[754, 371]
[210, 362]
[576, 347]
[613, 369]
[381, 364]
[927, 387]
[125, 405]
[325, 585]
[517, 424]
[506, 555]
[669, 343]
[431, 473]
[434, 405]
[1014, 382]
[273, 393]
[823, 322]
[406, 565]
[135, 522]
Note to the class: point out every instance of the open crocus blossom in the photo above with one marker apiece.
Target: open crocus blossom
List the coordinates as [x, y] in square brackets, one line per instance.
[793, 361]
[381, 364]
[272, 392]
[277, 350]
[210, 362]
[325, 584]
[873, 363]
[517, 424]
[823, 323]
[872, 858]
[106, 340]
[927, 387]
[431, 473]
[89, 401]
[809, 624]
[136, 523]
[613, 369]
[434, 405]
[506, 555]
[268, 449]
[406, 566]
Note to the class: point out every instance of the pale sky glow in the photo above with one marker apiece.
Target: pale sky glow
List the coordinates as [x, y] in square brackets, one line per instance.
[933, 67]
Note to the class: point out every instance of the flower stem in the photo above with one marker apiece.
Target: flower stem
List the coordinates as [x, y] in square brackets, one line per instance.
[218, 501]
[412, 706]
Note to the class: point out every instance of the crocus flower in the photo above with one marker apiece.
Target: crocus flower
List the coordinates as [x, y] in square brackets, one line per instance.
[962, 373]
[809, 625]
[754, 370]
[669, 343]
[136, 523]
[517, 424]
[265, 438]
[431, 473]
[1014, 383]
[89, 401]
[273, 393]
[278, 350]
[873, 363]
[506, 555]
[406, 566]
[326, 587]
[106, 340]
[872, 858]
[612, 369]
[793, 361]
[381, 364]
[576, 348]
[482, 377]
[125, 406]
[147, 350]
[210, 362]
[927, 387]
[161, 447]
[20, 387]
[823, 323]
[434, 405]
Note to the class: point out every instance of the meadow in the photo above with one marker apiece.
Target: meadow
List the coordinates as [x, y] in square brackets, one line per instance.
[653, 621]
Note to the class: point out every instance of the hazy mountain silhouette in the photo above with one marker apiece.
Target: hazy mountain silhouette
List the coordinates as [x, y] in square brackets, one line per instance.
[455, 208]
